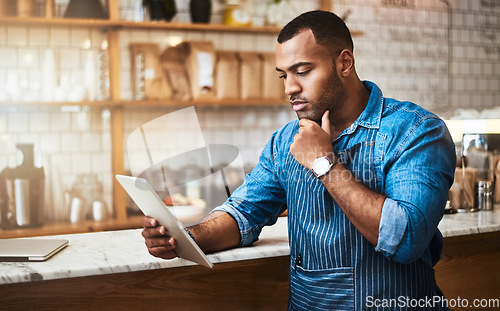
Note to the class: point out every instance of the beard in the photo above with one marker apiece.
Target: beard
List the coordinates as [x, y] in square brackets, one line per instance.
[330, 99]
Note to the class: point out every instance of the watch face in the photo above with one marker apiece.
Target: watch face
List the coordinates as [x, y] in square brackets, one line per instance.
[321, 166]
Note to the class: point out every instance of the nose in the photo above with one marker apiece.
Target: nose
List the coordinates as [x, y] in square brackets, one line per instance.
[291, 86]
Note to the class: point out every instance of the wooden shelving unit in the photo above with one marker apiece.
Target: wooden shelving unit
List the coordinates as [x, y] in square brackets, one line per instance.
[103, 103]
[123, 24]
[112, 27]
[214, 102]
[57, 22]
[153, 103]
[130, 25]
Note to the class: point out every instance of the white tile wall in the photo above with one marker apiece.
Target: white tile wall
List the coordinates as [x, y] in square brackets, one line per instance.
[17, 36]
[8, 58]
[38, 37]
[472, 49]
[51, 142]
[59, 37]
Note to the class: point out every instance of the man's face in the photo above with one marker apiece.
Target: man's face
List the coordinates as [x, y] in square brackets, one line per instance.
[310, 77]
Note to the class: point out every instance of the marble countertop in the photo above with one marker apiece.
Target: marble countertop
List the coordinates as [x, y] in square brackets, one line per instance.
[470, 223]
[124, 250]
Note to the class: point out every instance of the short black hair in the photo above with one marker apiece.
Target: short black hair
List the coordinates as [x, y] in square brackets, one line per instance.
[329, 30]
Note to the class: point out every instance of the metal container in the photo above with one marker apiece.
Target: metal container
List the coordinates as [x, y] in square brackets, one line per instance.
[77, 211]
[19, 200]
[85, 201]
[484, 195]
[22, 193]
[99, 210]
[22, 208]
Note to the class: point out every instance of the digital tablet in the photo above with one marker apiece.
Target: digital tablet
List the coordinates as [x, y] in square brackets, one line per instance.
[151, 205]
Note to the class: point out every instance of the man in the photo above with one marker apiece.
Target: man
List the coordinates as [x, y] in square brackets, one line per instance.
[364, 178]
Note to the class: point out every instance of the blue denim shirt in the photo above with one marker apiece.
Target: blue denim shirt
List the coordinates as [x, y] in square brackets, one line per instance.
[394, 148]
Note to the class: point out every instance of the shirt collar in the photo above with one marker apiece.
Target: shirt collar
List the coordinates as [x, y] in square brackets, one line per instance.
[370, 117]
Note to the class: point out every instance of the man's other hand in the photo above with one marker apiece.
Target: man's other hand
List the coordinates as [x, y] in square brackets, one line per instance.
[157, 240]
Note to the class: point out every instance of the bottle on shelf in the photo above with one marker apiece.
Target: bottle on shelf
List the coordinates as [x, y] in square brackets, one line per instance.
[200, 11]
[103, 72]
[161, 9]
[90, 73]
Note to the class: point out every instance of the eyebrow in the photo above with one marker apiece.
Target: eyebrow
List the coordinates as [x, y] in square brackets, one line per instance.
[295, 66]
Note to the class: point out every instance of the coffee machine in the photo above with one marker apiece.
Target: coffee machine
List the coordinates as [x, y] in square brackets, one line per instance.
[22, 192]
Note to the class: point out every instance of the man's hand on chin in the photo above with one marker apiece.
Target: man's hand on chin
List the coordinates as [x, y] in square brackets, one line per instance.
[312, 141]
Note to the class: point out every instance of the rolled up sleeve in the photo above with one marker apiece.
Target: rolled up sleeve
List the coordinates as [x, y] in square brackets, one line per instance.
[247, 232]
[392, 227]
[416, 187]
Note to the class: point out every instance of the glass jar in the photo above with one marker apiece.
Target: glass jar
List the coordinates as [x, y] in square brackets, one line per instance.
[235, 15]
[279, 12]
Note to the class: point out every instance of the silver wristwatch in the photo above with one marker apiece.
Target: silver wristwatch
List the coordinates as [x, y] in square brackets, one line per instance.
[322, 166]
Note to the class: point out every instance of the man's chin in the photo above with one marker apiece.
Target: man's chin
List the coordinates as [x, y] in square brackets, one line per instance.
[301, 116]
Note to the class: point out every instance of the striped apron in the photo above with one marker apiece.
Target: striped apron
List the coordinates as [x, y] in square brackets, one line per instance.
[332, 266]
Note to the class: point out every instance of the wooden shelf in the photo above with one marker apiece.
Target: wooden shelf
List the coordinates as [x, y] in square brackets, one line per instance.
[129, 25]
[210, 102]
[123, 24]
[132, 222]
[152, 103]
[58, 22]
[198, 27]
[97, 103]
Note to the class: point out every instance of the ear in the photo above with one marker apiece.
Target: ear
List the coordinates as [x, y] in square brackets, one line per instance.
[345, 63]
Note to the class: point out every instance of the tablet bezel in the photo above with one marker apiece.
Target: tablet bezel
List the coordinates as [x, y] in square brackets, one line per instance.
[151, 205]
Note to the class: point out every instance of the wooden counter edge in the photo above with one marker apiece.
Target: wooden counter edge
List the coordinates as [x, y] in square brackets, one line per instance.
[243, 285]
[469, 268]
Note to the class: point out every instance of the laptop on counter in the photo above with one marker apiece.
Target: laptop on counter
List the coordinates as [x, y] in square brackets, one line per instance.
[30, 249]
